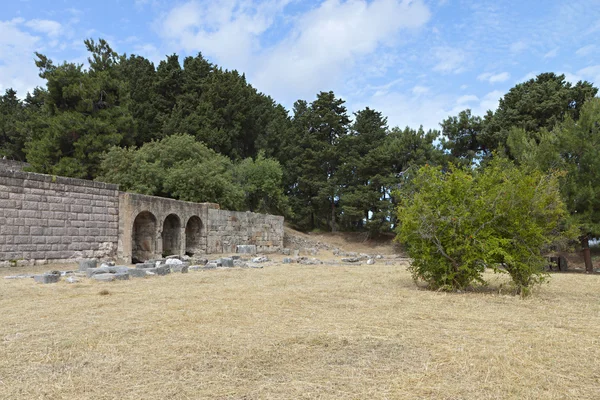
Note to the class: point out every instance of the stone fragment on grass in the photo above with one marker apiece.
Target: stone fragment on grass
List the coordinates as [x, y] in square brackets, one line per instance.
[145, 265]
[370, 261]
[351, 259]
[87, 264]
[173, 261]
[18, 276]
[105, 277]
[47, 278]
[227, 262]
[182, 268]
[137, 273]
[260, 259]
[72, 279]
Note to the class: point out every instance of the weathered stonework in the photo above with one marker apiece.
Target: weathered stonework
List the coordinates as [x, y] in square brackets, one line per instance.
[49, 218]
[45, 217]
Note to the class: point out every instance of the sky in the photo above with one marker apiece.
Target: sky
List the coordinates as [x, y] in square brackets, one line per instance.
[416, 61]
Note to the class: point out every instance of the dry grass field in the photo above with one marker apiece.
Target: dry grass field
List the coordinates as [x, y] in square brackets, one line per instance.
[296, 332]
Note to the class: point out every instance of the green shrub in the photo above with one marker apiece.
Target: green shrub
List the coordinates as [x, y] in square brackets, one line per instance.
[456, 223]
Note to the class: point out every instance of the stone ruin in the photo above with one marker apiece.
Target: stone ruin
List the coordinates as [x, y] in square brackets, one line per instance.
[51, 219]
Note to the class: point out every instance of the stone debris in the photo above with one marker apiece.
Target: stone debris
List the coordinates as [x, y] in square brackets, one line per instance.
[138, 273]
[240, 264]
[370, 261]
[211, 265]
[351, 259]
[227, 262]
[87, 264]
[145, 265]
[173, 261]
[72, 279]
[18, 276]
[104, 277]
[286, 251]
[287, 260]
[255, 265]
[261, 259]
[379, 256]
[309, 251]
[309, 261]
[47, 278]
[181, 268]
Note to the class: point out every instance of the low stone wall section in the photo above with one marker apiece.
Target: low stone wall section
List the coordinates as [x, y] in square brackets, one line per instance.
[228, 229]
[50, 218]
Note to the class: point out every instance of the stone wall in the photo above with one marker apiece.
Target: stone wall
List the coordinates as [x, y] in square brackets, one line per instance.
[10, 165]
[228, 229]
[50, 218]
[150, 225]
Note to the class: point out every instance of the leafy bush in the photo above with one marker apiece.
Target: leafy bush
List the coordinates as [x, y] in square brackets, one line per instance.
[456, 223]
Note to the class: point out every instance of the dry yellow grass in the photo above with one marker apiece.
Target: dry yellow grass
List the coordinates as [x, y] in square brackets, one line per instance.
[297, 332]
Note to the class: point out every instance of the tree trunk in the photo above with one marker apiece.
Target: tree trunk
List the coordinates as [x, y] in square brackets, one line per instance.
[587, 258]
[332, 213]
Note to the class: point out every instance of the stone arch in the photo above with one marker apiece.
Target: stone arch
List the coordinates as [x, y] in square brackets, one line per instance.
[171, 235]
[143, 237]
[193, 233]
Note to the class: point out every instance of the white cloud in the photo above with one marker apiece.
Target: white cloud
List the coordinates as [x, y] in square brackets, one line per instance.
[420, 90]
[468, 98]
[518, 47]
[489, 102]
[449, 60]
[494, 78]
[50, 28]
[316, 53]
[586, 50]
[552, 53]
[17, 69]
[591, 73]
[226, 30]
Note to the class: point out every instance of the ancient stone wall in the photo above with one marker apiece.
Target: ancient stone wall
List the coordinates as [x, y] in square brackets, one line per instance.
[45, 217]
[150, 227]
[228, 229]
[55, 219]
[10, 165]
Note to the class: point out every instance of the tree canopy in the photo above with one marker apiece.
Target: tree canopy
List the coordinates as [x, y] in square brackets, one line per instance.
[186, 128]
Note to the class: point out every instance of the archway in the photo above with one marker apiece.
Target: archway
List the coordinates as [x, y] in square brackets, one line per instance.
[143, 237]
[193, 232]
[171, 235]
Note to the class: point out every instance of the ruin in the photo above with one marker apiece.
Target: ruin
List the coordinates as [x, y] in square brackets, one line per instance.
[46, 218]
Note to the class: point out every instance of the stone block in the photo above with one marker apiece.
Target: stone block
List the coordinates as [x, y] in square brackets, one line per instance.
[182, 268]
[104, 277]
[122, 276]
[137, 273]
[227, 262]
[145, 265]
[246, 249]
[47, 278]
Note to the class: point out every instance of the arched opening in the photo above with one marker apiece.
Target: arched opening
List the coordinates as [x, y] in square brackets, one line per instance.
[143, 237]
[193, 232]
[171, 233]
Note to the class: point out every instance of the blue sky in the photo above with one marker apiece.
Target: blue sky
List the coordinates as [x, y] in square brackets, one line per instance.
[416, 61]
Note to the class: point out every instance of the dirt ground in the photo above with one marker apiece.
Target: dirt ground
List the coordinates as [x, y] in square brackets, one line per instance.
[291, 331]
